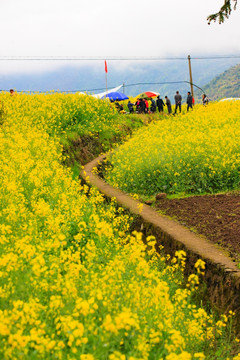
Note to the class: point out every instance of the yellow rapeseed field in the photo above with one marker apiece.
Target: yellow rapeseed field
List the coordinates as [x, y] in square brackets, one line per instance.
[73, 283]
[196, 152]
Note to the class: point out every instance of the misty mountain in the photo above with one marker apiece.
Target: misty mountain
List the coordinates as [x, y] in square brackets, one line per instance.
[225, 85]
[169, 75]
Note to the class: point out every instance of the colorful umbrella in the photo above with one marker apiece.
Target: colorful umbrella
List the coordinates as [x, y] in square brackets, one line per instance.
[147, 94]
[115, 96]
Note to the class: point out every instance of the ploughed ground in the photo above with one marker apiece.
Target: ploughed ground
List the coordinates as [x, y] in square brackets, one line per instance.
[216, 217]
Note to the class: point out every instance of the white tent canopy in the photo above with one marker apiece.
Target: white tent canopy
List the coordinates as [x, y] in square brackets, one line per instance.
[230, 99]
[100, 95]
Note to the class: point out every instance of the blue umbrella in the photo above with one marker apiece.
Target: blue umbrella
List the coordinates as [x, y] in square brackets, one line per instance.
[115, 96]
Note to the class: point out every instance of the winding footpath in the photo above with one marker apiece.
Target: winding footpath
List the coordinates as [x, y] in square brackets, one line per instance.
[222, 275]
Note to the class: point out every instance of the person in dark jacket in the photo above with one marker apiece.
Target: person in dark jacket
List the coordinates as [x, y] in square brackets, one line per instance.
[178, 101]
[169, 105]
[153, 106]
[189, 101]
[137, 104]
[160, 104]
[130, 107]
[142, 106]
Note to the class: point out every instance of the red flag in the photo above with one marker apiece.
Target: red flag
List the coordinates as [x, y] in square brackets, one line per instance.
[106, 70]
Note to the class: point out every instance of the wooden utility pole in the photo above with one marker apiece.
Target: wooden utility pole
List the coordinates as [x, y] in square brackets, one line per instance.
[190, 74]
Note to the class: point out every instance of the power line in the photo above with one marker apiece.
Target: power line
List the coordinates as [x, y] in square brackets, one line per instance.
[112, 58]
[99, 89]
[167, 82]
[156, 83]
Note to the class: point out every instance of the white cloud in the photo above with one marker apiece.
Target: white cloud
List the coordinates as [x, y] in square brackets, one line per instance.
[111, 28]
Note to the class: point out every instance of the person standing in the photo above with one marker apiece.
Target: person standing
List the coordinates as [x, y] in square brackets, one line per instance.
[130, 107]
[153, 106]
[205, 99]
[142, 106]
[147, 106]
[178, 101]
[160, 104]
[169, 105]
[137, 104]
[189, 101]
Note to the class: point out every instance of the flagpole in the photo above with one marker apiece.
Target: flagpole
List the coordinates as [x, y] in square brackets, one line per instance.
[106, 76]
[106, 82]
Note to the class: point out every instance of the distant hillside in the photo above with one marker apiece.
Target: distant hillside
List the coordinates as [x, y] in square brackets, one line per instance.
[162, 76]
[224, 85]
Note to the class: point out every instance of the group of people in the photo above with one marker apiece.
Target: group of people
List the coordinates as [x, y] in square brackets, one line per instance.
[142, 105]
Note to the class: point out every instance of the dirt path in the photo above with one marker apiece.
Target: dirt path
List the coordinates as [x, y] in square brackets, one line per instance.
[222, 277]
[217, 217]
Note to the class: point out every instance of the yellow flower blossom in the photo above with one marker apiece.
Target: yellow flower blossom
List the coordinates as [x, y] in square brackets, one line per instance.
[74, 282]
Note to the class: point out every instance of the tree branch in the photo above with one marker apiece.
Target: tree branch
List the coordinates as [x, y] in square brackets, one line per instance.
[224, 12]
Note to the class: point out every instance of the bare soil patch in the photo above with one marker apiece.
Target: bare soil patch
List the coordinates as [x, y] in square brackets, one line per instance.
[216, 217]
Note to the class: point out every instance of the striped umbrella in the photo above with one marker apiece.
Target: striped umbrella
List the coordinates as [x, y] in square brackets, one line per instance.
[147, 94]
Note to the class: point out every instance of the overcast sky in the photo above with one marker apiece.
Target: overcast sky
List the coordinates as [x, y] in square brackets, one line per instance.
[112, 28]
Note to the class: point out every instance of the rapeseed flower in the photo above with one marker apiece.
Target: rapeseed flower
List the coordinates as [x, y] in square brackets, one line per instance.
[191, 153]
[74, 283]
